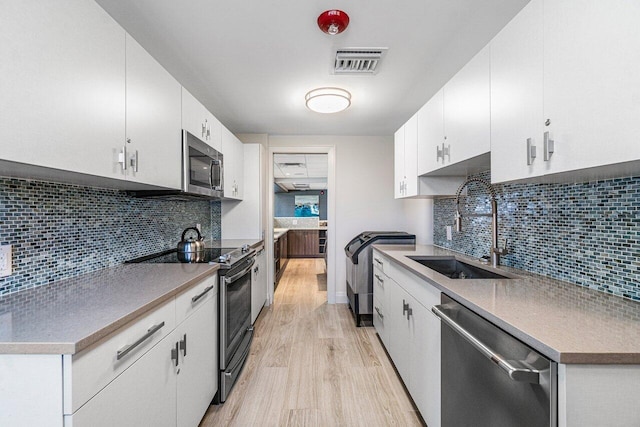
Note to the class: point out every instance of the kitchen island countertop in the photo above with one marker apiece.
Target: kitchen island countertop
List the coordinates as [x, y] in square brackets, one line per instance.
[569, 323]
[68, 316]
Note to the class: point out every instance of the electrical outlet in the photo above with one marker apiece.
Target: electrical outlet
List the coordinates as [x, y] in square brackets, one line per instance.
[5, 260]
[449, 236]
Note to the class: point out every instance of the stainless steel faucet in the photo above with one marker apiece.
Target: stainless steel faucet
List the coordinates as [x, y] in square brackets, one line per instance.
[495, 250]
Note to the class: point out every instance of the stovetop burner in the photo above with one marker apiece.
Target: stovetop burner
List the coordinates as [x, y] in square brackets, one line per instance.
[225, 257]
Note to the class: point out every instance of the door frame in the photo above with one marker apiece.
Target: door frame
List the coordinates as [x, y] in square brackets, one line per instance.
[331, 213]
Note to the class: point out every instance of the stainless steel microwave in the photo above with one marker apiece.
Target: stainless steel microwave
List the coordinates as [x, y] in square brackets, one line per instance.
[202, 167]
[202, 173]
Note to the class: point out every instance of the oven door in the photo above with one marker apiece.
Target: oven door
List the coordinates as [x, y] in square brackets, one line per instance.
[202, 167]
[235, 309]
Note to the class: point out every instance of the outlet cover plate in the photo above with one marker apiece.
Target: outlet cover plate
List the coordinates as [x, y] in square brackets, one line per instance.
[5, 260]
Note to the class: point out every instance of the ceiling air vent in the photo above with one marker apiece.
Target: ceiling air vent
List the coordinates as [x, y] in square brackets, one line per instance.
[358, 61]
[301, 186]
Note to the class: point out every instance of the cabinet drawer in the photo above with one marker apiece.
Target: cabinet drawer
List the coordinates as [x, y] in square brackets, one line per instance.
[191, 299]
[89, 371]
[379, 261]
[379, 279]
[379, 314]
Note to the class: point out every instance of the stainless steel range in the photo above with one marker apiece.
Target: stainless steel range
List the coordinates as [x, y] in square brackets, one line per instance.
[235, 332]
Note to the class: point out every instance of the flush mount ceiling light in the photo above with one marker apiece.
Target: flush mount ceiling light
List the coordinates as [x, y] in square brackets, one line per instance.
[333, 21]
[328, 100]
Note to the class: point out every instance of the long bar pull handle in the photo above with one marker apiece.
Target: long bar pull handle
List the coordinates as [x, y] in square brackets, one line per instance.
[200, 295]
[409, 312]
[175, 353]
[548, 147]
[439, 153]
[531, 152]
[379, 314]
[183, 345]
[379, 279]
[122, 157]
[128, 348]
[446, 151]
[405, 307]
[517, 374]
[134, 161]
[378, 262]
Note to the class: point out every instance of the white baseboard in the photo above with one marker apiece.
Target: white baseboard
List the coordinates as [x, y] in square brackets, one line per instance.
[341, 298]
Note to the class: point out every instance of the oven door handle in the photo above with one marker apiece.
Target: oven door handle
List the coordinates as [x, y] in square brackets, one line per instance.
[515, 373]
[236, 276]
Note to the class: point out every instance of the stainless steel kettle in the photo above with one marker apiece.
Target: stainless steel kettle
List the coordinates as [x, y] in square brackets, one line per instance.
[191, 246]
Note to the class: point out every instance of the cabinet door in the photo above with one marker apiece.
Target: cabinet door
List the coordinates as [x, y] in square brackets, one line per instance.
[233, 165]
[197, 377]
[431, 134]
[198, 121]
[398, 329]
[379, 306]
[62, 86]
[516, 96]
[411, 156]
[258, 285]
[143, 395]
[467, 110]
[425, 359]
[398, 163]
[591, 84]
[154, 139]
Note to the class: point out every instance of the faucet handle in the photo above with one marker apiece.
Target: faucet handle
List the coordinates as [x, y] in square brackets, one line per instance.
[504, 249]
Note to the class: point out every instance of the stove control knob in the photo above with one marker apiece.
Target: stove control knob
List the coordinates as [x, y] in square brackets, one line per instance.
[245, 248]
[224, 258]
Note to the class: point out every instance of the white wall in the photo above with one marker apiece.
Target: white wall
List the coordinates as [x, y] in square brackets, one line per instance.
[364, 193]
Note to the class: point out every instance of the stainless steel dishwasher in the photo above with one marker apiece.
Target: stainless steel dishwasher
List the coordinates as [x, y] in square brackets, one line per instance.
[490, 378]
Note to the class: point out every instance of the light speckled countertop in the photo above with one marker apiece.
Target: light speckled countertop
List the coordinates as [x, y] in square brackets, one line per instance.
[70, 315]
[566, 322]
[279, 232]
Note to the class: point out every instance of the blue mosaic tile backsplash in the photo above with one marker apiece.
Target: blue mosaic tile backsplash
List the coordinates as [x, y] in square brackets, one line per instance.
[585, 233]
[60, 231]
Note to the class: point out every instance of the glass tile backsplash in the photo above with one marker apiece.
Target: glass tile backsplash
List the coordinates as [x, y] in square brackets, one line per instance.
[585, 233]
[60, 231]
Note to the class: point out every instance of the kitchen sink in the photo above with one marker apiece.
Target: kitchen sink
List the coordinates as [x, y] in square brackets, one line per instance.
[455, 269]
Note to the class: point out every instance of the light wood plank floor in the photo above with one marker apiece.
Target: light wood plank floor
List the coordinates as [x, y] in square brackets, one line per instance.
[310, 365]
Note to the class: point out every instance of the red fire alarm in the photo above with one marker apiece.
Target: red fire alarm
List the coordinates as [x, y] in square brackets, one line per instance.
[333, 21]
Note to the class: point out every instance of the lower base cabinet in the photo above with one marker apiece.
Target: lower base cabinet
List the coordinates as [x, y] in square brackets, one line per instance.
[170, 385]
[411, 334]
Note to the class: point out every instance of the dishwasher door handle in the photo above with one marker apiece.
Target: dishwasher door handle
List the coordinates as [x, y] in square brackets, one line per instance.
[515, 373]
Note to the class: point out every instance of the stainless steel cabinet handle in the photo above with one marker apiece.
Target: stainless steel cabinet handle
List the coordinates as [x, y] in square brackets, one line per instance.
[409, 311]
[379, 314]
[200, 295]
[134, 161]
[183, 345]
[208, 131]
[379, 279]
[548, 147]
[517, 374]
[204, 129]
[378, 261]
[175, 353]
[122, 157]
[531, 152]
[128, 348]
[439, 153]
[405, 307]
[446, 151]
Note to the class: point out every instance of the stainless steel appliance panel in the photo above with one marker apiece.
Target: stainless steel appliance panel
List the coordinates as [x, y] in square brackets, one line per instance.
[490, 378]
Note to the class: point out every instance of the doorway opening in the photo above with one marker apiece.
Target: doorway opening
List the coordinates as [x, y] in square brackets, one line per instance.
[301, 201]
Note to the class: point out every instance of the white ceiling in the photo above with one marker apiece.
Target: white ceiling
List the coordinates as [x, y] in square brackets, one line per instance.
[252, 61]
[290, 171]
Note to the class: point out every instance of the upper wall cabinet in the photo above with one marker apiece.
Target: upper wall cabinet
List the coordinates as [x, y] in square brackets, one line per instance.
[407, 181]
[454, 127]
[233, 164]
[62, 86]
[197, 120]
[565, 96]
[153, 144]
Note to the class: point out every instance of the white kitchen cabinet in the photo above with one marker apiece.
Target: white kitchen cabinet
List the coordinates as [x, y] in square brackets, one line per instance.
[245, 220]
[405, 161]
[145, 394]
[562, 70]
[198, 121]
[410, 333]
[398, 163]
[62, 86]
[467, 110]
[258, 284]
[197, 376]
[431, 134]
[153, 121]
[233, 152]
[516, 97]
